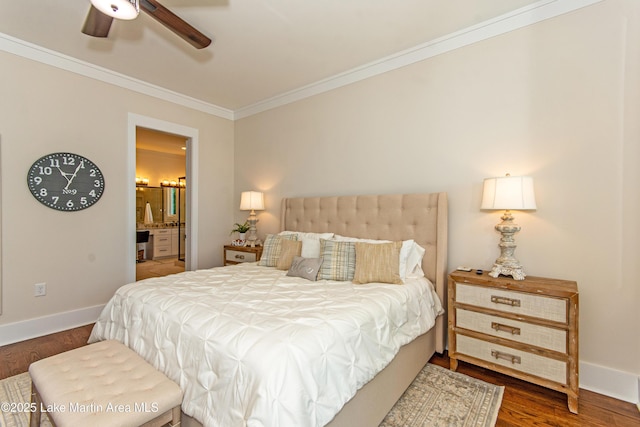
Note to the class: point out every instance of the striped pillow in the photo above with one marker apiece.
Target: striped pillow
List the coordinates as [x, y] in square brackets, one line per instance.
[271, 249]
[339, 260]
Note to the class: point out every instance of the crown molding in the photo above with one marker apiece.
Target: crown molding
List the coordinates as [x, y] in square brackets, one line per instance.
[43, 55]
[528, 15]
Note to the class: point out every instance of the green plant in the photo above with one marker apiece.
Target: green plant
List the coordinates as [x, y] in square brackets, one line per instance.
[241, 228]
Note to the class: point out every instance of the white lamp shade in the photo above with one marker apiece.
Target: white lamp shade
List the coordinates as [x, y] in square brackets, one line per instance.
[508, 192]
[119, 9]
[252, 200]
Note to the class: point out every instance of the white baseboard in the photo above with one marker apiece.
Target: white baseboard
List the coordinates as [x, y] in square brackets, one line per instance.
[610, 382]
[32, 328]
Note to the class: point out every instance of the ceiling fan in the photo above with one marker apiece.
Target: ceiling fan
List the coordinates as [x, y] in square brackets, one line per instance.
[102, 12]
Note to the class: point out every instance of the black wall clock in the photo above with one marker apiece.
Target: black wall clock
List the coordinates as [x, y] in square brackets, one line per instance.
[65, 181]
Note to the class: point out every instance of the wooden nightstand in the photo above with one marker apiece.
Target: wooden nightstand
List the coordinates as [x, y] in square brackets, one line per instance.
[240, 254]
[527, 329]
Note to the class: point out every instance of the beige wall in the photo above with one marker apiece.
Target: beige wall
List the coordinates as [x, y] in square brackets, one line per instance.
[558, 100]
[82, 256]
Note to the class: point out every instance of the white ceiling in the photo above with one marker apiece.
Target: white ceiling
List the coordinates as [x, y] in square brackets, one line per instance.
[261, 48]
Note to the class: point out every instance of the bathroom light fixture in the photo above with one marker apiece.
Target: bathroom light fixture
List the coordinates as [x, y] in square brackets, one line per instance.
[508, 192]
[119, 9]
[142, 181]
[252, 201]
[167, 183]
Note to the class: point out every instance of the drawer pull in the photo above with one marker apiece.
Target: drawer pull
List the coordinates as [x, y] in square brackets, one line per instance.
[505, 328]
[506, 356]
[505, 301]
[238, 256]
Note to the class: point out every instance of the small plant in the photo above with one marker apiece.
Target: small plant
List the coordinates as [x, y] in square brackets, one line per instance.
[241, 228]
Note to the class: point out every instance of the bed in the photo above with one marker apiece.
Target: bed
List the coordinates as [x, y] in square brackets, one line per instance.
[226, 363]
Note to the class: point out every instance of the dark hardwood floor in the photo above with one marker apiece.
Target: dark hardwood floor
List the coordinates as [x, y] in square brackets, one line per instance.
[523, 404]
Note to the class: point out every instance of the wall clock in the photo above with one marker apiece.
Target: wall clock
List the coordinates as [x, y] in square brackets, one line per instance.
[65, 181]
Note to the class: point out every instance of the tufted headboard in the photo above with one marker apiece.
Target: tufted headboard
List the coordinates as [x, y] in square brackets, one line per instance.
[421, 217]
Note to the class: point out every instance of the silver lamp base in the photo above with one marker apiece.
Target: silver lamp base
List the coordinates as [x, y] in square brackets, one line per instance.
[507, 264]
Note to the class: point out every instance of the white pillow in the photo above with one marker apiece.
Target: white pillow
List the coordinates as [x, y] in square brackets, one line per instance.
[414, 261]
[310, 242]
[411, 255]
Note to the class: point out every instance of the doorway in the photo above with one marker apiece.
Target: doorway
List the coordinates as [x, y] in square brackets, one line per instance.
[164, 201]
[160, 203]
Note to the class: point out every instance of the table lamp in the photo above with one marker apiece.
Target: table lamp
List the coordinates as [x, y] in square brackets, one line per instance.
[252, 201]
[508, 192]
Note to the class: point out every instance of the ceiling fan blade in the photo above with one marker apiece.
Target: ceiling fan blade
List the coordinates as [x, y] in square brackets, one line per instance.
[175, 23]
[97, 23]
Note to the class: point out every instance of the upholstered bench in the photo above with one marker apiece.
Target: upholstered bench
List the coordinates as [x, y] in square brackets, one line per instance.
[103, 384]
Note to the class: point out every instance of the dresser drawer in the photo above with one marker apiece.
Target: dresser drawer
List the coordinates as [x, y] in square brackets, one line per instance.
[527, 333]
[239, 256]
[522, 361]
[543, 307]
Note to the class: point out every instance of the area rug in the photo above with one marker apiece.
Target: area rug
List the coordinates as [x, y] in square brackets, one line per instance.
[443, 398]
[437, 397]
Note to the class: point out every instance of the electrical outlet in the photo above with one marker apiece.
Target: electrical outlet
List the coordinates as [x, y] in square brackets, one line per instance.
[40, 289]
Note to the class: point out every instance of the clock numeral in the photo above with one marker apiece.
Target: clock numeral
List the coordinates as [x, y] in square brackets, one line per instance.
[55, 199]
[92, 173]
[96, 183]
[54, 163]
[68, 160]
[43, 192]
[92, 193]
[83, 200]
[45, 170]
[37, 180]
[70, 203]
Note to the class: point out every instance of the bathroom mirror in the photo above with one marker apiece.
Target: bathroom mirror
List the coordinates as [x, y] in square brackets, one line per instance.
[153, 196]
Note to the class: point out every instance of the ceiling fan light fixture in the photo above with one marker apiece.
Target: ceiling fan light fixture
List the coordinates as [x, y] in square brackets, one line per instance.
[119, 9]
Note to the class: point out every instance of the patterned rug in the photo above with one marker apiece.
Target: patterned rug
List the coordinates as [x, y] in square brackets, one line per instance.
[437, 397]
[442, 398]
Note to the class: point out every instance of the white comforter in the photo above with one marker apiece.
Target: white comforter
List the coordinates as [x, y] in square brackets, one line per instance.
[251, 346]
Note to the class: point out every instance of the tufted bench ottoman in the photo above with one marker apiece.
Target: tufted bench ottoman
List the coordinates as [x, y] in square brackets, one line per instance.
[103, 384]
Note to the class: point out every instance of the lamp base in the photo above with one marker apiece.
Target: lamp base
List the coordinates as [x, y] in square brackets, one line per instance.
[514, 271]
[507, 264]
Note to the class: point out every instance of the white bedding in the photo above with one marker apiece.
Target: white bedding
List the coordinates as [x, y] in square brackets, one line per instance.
[251, 346]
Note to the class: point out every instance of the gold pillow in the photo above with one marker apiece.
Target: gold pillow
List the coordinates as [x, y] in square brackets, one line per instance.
[289, 249]
[378, 262]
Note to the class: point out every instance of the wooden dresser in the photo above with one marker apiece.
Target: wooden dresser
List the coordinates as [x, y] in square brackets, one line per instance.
[527, 329]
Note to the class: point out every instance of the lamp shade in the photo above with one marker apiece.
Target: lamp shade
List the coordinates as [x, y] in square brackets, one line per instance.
[119, 9]
[508, 192]
[252, 200]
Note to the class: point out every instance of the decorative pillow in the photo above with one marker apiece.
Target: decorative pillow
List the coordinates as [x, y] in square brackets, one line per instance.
[377, 262]
[410, 255]
[288, 250]
[271, 249]
[310, 242]
[307, 268]
[338, 260]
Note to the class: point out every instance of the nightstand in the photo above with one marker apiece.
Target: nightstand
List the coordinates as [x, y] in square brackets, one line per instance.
[527, 329]
[240, 254]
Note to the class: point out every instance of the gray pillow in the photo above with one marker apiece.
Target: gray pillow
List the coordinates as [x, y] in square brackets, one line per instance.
[307, 268]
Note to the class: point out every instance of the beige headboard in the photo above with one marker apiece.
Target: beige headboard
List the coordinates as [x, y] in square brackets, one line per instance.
[421, 217]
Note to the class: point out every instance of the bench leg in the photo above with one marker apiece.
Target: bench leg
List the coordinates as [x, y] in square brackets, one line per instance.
[35, 400]
[176, 414]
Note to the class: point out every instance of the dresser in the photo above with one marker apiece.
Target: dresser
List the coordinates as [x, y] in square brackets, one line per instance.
[239, 254]
[527, 329]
